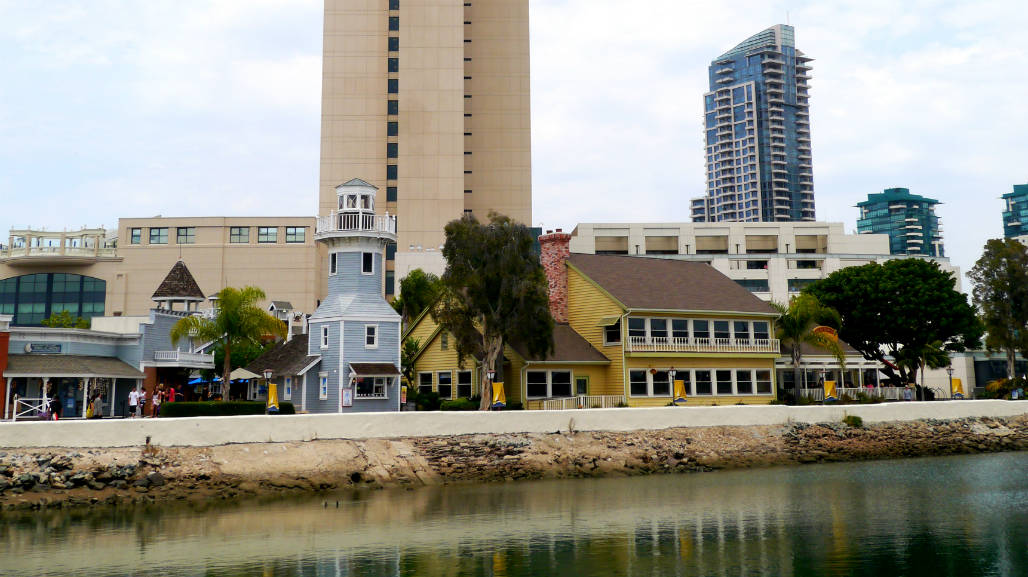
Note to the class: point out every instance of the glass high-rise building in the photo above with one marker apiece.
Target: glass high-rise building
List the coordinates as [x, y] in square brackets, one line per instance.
[908, 219]
[757, 123]
[1015, 217]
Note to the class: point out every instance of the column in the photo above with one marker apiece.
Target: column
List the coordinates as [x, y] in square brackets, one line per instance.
[85, 396]
[10, 395]
[113, 396]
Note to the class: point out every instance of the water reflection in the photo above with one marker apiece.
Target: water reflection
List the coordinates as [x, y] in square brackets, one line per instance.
[948, 516]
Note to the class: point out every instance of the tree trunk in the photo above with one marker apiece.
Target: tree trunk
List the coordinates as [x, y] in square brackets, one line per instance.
[796, 357]
[1011, 356]
[493, 348]
[226, 371]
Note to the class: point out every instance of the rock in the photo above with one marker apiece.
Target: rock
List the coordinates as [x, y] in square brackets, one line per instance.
[4, 485]
[80, 478]
[155, 479]
[119, 484]
[141, 489]
[61, 463]
[25, 480]
[144, 483]
[96, 485]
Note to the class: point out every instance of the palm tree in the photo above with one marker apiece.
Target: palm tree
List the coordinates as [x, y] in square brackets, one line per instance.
[236, 321]
[926, 356]
[796, 327]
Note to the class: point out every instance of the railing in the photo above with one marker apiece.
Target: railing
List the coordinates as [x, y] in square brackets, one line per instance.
[29, 407]
[58, 251]
[356, 222]
[886, 393]
[702, 345]
[581, 402]
[183, 357]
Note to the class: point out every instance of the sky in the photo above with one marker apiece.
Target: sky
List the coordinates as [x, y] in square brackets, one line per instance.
[120, 108]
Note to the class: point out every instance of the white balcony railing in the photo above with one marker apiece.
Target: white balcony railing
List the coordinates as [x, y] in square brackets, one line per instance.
[356, 222]
[701, 345]
[578, 402]
[58, 252]
[183, 357]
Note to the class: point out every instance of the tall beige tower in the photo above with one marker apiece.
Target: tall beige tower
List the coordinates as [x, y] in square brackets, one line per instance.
[429, 100]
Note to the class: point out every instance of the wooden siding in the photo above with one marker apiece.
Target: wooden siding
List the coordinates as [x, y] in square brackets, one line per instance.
[712, 362]
[587, 304]
[435, 360]
[423, 330]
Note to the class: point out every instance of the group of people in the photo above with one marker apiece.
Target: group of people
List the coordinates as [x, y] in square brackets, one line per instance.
[138, 397]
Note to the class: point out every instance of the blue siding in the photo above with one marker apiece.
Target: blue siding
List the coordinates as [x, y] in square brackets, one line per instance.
[329, 364]
[350, 280]
[386, 352]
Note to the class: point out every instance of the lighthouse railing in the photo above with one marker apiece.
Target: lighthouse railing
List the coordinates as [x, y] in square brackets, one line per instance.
[344, 221]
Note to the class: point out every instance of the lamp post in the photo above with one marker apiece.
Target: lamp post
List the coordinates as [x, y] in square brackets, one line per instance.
[949, 371]
[671, 380]
[271, 403]
[491, 374]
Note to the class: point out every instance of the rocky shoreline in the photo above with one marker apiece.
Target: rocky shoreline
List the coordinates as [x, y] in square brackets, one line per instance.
[58, 478]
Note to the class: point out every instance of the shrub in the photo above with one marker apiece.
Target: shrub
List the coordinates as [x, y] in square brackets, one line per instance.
[1002, 388]
[220, 408]
[853, 421]
[427, 401]
[460, 405]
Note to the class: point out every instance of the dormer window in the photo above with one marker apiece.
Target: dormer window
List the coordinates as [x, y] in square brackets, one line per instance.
[351, 201]
[366, 202]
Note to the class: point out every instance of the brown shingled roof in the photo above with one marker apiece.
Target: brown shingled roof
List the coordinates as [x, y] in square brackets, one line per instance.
[667, 284]
[179, 284]
[284, 359]
[568, 347]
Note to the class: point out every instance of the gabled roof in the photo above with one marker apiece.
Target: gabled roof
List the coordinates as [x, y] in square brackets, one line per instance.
[568, 347]
[354, 305]
[285, 359]
[281, 306]
[178, 284]
[358, 182]
[667, 284]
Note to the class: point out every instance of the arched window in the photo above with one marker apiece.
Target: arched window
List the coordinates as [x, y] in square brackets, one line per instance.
[34, 297]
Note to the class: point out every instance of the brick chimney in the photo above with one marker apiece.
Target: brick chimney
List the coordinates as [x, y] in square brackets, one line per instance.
[5, 339]
[555, 248]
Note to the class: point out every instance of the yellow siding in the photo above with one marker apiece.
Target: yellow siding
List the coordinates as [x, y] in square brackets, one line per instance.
[712, 362]
[512, 375]
[423, 330]
[587, 304]
[435, 360]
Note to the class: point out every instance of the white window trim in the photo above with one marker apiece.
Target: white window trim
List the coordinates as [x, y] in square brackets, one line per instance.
[333, 264]
[384, 395]
[323, 386]
[649, 383]
[429, 373]
[691, 385]
[373, 345]
[372, 263]
[287, 389]
[439, 382]
[324, 336]
[471, 382]
[549, 382]
[621, 336]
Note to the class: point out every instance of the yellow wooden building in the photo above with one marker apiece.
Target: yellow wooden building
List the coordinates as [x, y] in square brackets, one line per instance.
[631, 321]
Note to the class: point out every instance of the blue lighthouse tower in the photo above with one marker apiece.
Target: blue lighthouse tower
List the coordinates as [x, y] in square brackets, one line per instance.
[354, 331]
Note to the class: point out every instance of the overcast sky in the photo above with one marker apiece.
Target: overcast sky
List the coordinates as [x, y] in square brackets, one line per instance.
[128, 108]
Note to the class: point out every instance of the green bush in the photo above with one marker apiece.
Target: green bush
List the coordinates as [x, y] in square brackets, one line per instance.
[853, 421]
[1002, 388]
[427, 401]
[220, 409]
[460, 405]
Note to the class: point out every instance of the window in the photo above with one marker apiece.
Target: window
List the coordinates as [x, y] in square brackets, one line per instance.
[560, 383]
[392, 128]
[446, 385]
[581, 385]
[612, 333]
[394, 44]
[267, 234]
[159, 235]
[721, 330]
[464, 384]
[367, 263]
[393, 65]
[393, 107]
[287, 389]
[392, 150]
[371, 336]
[424, 382]
[390, 282]
[744, 382]
[701, 329]
[333, 263]
[371, 387]
[703, 383]
[637, 328]
[185, 235]
[135, 235]
[661, 384]
[296, 234]
[760, 331]
[394, 86]
[324, 336]
[724, 382]
[239, 234]
[547, 384]
[444, 341]
[637, 383]
[394, 23]
[685, 377]
[658, 330]
[322, 386]
[535, 384]
[390, 194]
[680, 330]
[763, 382]
[34, 297]
[391, 172]
[741, 329]
[394, 4]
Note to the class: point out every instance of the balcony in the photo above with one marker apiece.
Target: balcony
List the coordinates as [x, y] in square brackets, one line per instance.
[51, 255]
[701, 345]
[183, 359]
[346, 223]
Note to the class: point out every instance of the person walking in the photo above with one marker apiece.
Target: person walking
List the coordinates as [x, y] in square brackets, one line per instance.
[158, 394]
[141, 407]
[133, 403]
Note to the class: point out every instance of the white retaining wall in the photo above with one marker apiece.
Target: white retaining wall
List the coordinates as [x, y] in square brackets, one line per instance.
[212, 431]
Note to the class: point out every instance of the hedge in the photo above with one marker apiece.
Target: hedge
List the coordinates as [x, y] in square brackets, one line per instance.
[221, 409]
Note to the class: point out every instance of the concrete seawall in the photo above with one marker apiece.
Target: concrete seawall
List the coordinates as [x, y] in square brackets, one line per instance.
[216, 431]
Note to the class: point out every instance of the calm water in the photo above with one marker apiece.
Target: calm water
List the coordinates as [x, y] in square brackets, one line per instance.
[965, 516]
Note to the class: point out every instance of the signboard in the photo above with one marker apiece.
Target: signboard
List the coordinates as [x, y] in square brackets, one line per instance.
[348, 397]
[827, 332]
[43, 348]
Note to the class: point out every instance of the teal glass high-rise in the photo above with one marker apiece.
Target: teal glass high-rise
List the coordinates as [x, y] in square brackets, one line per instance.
[757, 123]
[1015, 217]
[908, 219]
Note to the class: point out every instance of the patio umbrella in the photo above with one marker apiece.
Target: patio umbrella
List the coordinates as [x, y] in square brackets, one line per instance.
[241, 373]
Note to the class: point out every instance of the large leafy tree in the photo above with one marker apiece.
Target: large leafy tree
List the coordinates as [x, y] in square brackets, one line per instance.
[796, 327]
[899, 305]
[408, 354]
[418, 290]
[237, 323]
[494, 291]
[1001, 295]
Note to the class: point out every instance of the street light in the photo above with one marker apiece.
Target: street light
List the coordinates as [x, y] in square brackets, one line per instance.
[949, 371]
[271, 404]
[267, 374]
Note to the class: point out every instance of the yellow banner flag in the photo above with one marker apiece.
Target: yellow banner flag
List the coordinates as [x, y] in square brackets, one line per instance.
[499, 397]
[958, 389]
[830, 394]
[679, 391]
[272, 397]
